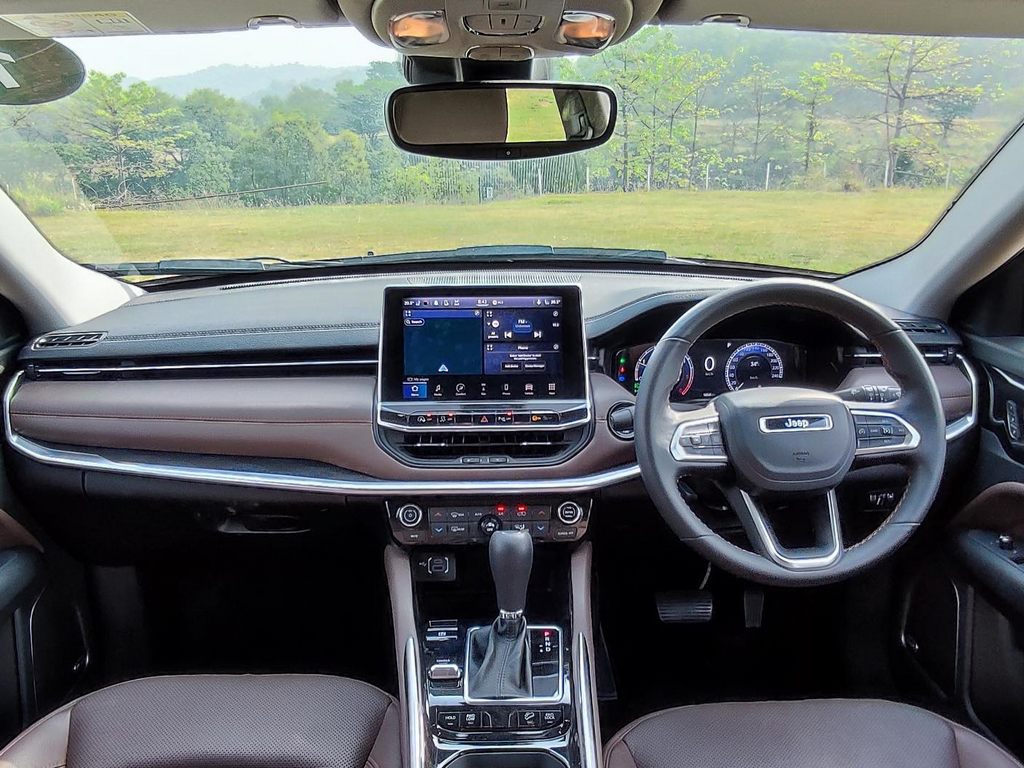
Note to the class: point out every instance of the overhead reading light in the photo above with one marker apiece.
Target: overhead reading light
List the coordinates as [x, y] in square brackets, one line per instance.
[411, 30]
[584, 29]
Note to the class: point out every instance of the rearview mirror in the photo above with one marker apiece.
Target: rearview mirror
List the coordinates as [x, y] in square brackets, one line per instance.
[37, 71]
[500, 120]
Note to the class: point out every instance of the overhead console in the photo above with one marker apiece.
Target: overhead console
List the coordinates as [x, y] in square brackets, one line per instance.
[472, 376]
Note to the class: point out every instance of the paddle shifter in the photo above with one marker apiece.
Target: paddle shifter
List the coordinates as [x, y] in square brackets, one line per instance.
[499, 659]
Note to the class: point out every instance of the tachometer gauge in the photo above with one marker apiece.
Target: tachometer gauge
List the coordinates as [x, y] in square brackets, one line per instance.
[685, 373]
[685, 377]
[753, 364]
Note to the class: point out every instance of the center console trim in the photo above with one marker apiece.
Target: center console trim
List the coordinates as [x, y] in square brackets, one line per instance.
[553, 699]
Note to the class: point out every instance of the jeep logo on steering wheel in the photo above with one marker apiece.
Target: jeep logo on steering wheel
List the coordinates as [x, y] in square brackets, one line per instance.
[816, 422]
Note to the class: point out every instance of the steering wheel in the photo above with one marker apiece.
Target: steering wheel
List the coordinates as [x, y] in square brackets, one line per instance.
[780, 443]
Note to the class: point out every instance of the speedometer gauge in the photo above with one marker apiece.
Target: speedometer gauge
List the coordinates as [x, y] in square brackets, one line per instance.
[753, 364]
[685, 373]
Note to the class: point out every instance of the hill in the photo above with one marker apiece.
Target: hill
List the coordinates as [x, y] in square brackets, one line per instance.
[253, 83]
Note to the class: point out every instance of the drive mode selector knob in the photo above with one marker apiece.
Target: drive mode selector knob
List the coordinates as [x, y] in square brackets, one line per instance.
[409, 515]
[569, 512]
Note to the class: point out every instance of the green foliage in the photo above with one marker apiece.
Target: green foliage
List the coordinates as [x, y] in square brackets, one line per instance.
[703, 108]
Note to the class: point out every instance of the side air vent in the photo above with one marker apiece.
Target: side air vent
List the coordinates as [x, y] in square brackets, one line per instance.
[65, 340]
[921, 326]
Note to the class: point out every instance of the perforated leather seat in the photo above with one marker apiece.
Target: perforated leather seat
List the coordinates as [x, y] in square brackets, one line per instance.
[218, 721]
[802, 734]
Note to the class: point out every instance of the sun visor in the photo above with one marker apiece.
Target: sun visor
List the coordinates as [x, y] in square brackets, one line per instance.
[26, 19]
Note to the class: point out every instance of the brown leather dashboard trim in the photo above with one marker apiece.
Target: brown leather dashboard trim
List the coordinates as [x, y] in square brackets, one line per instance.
[954, 387]
[325, 419]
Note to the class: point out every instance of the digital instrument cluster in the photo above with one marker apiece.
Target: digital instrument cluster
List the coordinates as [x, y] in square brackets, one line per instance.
[714, 366]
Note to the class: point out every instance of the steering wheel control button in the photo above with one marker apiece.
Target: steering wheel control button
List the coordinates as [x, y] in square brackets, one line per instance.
[699, 441]
[883, 432]
[569, 512]
[409, 515]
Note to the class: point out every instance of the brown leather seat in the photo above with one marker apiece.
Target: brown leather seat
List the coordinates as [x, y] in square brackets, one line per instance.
[801, 734]
[218, 721]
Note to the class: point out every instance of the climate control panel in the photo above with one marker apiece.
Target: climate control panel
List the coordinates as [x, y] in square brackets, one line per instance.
[473, 521]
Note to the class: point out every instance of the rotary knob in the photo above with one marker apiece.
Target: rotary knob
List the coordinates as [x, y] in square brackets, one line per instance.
[409, 515]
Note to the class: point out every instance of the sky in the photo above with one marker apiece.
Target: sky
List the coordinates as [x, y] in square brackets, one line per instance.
[150, 56]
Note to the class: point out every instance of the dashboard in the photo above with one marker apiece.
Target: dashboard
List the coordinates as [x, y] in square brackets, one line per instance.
[463, 394]
[715, 366]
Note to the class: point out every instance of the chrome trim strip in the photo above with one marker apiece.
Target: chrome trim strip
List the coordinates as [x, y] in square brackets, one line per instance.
[555, 698]
[798, 563]
[878, 355]
[414, 707]
[94, 370]
[956, 428]
[910, 442]
[82, 459]
[584, 702]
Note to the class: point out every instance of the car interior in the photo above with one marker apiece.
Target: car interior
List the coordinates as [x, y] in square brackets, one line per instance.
[422, 512]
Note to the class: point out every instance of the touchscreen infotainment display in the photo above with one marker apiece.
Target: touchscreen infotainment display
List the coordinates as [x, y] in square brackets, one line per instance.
[450, 346]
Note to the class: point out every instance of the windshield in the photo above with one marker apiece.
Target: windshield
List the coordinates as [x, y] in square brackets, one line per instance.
[814, 151]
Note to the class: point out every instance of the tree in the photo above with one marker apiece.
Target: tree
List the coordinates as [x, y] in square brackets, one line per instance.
[757, 93]
[348, 169]
[911, 76]
[120, 139]
[223, 119]
[812, 93]
[360, 108]
[289, 152]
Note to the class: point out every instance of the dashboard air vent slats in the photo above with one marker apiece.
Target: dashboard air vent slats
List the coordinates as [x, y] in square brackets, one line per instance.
[921, 326]
[456, 445]
[63, 340]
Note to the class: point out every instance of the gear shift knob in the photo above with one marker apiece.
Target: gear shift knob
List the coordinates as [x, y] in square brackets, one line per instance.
[511, 554]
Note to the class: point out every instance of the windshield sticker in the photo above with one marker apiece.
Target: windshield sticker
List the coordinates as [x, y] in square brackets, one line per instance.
[85, 24]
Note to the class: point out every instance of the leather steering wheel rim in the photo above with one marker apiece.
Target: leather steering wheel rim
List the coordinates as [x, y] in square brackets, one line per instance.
[656, 420]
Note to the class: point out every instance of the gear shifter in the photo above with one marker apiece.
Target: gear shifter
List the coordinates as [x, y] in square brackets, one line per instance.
[499, 659]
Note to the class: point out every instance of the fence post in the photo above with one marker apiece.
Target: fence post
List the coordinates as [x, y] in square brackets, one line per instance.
[540, 181]
[707, 177]
[767, 175]
[649, 165]
[588, 178]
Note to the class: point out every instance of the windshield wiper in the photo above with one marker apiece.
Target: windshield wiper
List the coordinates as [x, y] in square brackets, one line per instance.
[515, 253]
[196, 267]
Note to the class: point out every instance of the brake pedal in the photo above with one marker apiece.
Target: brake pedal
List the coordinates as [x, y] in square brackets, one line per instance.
[694, 606]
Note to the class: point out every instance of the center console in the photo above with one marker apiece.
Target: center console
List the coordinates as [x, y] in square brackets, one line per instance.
[495, 377]
[497, 678]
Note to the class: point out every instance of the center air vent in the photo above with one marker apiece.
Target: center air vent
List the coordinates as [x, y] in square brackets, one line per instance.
[493, 448]
[64, 340]
[463, 445]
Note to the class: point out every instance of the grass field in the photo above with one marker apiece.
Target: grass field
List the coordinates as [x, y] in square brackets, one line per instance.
[831, 231]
